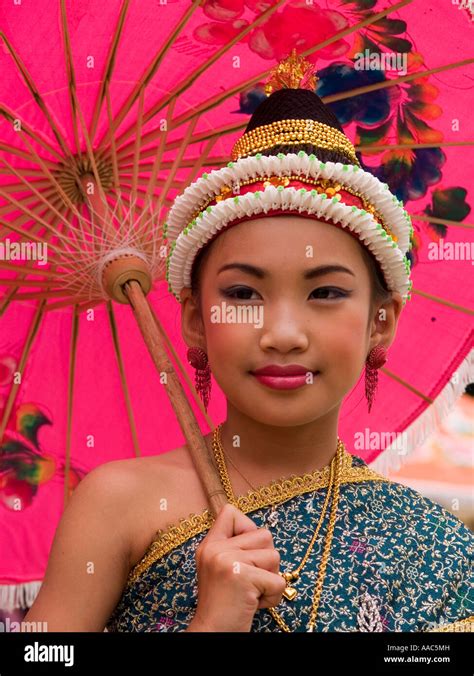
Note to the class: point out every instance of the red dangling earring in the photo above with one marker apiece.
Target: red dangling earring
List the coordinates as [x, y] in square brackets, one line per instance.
[377, 358]
[198, 359]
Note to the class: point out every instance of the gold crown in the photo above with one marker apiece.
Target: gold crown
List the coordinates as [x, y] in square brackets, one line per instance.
[294, 72]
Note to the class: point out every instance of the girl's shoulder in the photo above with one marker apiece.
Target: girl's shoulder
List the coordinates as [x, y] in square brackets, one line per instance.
[157, 491]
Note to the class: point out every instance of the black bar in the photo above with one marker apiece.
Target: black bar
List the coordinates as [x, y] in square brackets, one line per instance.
[309, 654]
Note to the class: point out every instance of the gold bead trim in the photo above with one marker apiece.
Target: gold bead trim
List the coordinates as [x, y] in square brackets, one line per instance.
[277, 491]
[460, 625]
[322, 185]
[293, 132]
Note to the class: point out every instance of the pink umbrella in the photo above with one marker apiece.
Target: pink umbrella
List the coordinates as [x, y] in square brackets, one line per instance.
[137, 101]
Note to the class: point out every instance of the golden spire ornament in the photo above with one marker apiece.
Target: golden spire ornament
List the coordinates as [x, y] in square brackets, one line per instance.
[294, 72]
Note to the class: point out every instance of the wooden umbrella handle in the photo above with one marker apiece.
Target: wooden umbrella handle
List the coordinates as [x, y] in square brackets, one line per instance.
[205, 467]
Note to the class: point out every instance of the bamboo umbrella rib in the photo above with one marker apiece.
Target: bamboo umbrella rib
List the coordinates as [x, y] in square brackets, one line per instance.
[129, 229]
[192, 77]
[90, 152]
[59, 187]
[136, 150]
[39, 283]
[25, 232]
[113, 147]
[128, 191]
[214, 101]
[159, 153]
[409, 146]
[183, 370]
[70, 396]
[24, 172]
[202, 458]
[21, 206]
[46, 239]
[52, 293]
[11, 293]
[218, 98]
[36, 95]
[171, 175]
[6, 300]
[166, 164]
[32, 333]
[23, 155]
[119, 214]
[178, 185]
[12, 227]
[5, 265]
[70, 75]
[18, 186]
[86, 305]
[230, 129]
[441, 221]
[149, 73]
[11, 116]
[443, 301]
[36, 192]
[198, 165]
[63, 195]
[109, 68]
[407, 385]
[61, 191]
[6, 209]
[123, 378]
[396, 81]
[125, 151]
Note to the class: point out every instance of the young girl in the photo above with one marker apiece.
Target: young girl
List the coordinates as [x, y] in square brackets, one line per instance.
[358, 552]
[290, 265]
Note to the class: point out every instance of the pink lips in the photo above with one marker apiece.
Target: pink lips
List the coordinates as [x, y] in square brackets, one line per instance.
[283, 377]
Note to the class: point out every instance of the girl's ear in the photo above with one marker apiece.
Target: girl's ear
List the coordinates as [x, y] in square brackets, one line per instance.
[192, 326]
[383, 327]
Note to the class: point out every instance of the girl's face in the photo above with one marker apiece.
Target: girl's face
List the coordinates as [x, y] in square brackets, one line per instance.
[292, 311]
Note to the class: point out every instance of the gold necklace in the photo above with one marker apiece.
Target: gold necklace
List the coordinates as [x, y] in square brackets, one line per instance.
[290, 592]
[273, 517]
[334, 486]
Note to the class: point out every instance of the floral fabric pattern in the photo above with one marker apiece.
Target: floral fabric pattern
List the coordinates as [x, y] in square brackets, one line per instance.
[398, 562]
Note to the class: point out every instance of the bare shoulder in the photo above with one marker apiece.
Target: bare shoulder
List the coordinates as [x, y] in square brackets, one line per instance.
[107, 525]
[155, 492]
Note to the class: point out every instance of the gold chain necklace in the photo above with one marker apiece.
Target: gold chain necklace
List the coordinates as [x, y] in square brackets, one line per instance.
[333, 487]
[273, 517]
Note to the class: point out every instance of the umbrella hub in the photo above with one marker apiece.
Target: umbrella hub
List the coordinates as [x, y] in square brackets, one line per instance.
[121, 266]
[72, 170]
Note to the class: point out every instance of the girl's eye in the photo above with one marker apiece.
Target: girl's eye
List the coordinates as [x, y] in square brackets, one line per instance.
[237, 291]
[330, 289]
[244, 293]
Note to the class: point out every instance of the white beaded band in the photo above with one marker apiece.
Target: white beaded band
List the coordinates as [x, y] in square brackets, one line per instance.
[187, 235]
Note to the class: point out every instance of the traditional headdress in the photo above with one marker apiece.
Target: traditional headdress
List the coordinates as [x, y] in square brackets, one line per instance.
[253, 185]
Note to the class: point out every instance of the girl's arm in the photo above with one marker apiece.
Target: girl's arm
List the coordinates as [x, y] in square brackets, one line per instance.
[89, 558]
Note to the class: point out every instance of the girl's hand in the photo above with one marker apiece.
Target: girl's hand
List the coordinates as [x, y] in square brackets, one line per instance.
[237, 570]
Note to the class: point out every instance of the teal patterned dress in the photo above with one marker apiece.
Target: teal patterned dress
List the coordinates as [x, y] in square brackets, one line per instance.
[398, 561]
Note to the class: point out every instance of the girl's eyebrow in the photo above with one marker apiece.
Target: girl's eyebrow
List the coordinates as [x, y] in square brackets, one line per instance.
[308, 274]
